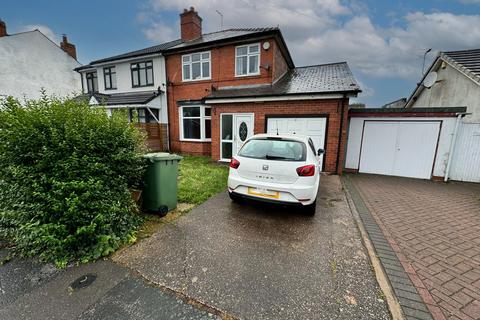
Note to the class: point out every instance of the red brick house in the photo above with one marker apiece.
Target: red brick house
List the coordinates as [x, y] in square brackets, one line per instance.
[225, 86]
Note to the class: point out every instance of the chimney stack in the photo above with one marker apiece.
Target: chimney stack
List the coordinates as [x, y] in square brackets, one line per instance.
[3, 29]
[190, 24]
[68, 47]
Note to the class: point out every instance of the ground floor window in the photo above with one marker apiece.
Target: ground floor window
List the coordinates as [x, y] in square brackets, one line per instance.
[142, 115]
[195, 123]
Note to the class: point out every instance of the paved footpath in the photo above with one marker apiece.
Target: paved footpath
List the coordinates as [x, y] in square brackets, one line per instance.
[37, 291]
[435, 230]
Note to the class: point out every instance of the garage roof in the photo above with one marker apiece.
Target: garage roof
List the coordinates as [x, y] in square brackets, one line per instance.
[325, 78]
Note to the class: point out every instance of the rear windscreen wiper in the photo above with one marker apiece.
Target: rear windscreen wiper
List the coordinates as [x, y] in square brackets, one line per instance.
[269, 157]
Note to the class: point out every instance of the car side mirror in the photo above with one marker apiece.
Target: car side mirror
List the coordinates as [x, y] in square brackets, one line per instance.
[320, 152]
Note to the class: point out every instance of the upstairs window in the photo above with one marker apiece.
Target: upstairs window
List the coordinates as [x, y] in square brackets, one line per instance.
[142, 74]
[142, 115]
[196, 66]
[247, 60]
[110, 78]
[92, 81]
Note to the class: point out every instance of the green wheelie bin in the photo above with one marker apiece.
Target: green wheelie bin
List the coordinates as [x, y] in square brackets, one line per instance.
[160, 182]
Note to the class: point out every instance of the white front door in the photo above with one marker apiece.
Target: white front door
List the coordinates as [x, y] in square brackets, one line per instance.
[399, 148]
[235, 128]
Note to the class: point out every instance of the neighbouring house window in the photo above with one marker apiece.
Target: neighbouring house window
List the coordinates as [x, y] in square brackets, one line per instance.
[196, 66]
[110, 78]
[142, 74]
[247, 60]
[142, 115]
[195, 123]
[92, 81]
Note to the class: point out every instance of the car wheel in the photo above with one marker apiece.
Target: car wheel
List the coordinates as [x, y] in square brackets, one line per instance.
[310, 209]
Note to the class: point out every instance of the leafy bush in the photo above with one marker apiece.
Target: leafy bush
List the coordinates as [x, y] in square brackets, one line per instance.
[65, 173]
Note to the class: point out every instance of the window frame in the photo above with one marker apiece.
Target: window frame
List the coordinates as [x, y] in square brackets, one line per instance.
[110, 75]
[87, 78]
[202, 118]
[147, 117]
[138, 68]
[248, 55]
[201, 69]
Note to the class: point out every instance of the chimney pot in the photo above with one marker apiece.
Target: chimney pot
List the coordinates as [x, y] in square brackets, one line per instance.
[190, 24]
[68, 47]
[3, 28]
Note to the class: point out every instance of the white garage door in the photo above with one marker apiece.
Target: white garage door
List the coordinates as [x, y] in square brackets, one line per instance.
[399, 148]
[314, 127]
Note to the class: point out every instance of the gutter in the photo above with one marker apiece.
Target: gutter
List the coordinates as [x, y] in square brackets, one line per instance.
[460, 115]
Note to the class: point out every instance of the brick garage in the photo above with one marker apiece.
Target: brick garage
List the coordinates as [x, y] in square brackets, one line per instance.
[330, 108]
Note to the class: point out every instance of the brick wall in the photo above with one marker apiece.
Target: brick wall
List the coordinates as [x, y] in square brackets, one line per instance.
[279, 64]
[331, 107]
[222, 74]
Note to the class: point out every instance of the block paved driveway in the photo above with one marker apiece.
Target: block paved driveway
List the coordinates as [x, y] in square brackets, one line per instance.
[437, 229]
[265, 262]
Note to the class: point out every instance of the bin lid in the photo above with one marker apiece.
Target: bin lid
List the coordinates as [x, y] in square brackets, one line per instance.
[161, 156]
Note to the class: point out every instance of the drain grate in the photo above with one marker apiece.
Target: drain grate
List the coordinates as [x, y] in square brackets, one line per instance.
[83, 281]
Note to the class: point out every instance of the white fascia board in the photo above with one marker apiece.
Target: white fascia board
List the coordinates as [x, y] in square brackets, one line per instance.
[279, 98]
[127, 106]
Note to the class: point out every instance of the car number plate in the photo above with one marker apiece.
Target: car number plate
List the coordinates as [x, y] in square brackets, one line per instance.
[264, 193]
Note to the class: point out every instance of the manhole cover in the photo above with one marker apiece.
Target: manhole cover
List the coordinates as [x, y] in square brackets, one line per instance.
[83, 281]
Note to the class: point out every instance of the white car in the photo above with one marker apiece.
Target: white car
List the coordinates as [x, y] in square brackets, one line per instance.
[282, 169]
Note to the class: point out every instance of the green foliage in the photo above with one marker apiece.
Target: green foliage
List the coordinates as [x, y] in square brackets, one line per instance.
[65, 173]
[200, 179]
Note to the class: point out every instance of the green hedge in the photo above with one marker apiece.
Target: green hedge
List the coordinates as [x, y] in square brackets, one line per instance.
[65, 173]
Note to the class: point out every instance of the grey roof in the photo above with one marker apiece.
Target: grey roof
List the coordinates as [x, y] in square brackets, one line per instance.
[326, 78]
[140, 97]
[205, 39]
[466, 59]
[222, 35]
[150, 50]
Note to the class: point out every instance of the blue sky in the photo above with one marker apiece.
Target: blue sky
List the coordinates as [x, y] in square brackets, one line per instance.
[383, 41]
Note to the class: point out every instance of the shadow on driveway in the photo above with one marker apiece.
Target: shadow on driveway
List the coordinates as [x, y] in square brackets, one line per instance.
[264, 262]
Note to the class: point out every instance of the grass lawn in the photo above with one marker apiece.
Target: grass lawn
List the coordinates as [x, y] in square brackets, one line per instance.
[200, 178]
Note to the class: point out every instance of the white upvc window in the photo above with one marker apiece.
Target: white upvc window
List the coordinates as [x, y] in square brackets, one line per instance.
[195, 123]
[247, 60]
[196, 66]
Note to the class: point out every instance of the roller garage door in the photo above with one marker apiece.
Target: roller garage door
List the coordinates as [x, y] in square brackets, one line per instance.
[314, 127]
[399, 148]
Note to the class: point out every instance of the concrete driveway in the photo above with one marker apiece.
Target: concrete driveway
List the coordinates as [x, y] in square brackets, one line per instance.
[262, 262]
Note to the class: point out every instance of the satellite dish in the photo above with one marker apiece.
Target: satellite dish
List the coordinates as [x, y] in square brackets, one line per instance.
[430, 79]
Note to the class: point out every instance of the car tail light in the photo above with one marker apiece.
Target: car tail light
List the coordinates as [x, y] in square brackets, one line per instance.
[306, 171]
[234, 163]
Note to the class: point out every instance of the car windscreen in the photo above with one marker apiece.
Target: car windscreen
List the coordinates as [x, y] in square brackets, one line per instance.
[274, 149]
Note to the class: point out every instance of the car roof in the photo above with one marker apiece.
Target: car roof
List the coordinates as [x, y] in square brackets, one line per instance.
[299, 137]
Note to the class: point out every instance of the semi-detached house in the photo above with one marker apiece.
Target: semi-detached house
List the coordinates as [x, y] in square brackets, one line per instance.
[215, 90]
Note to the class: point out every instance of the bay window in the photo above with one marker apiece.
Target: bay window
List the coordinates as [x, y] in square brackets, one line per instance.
[195, 123]
[247, 60]
[196, 66]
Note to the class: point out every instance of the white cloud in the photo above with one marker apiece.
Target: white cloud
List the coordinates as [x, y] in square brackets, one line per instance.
[43, 29]
[321, 31]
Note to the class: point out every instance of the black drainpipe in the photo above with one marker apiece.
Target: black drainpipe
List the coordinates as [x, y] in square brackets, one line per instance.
[340, 133]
